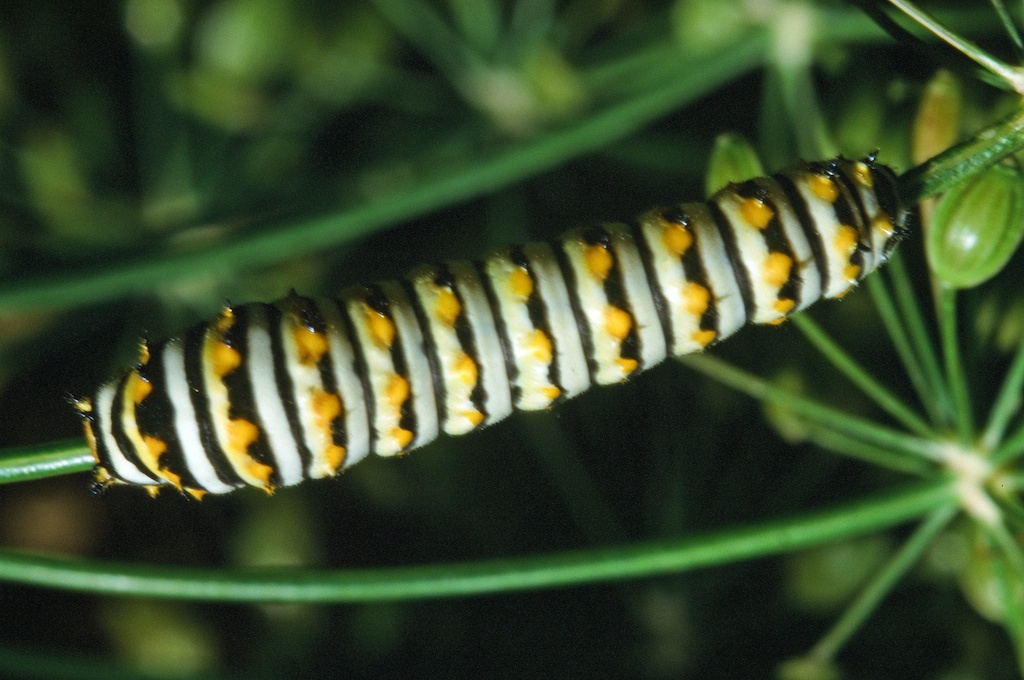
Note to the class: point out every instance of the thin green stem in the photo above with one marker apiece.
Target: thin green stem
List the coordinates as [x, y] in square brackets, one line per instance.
[681, 82]
[830, 440]
[838, 357]
[1007, 545]
[422, 25]
[955, 377]
[1011, 75]
[963, 161]
[899, 443]
[639, 560]
[875, 591]
[45, 460]
[901, 341]
[920, 338]
[1008, 401]
[1012, 447]
[1009, 25]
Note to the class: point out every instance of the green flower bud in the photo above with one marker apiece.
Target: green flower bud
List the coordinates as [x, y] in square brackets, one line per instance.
[732, 160]
[977, 227]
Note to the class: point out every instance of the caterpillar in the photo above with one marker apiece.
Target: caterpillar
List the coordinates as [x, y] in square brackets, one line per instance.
[268, 395]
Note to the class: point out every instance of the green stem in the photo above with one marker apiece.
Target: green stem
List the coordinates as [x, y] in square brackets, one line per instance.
[1011, 448]
[1007, 403]
[880, 586]
[639, 560]
[957, 164]
[1001, 69]
[896, 441]
[955, 376]
[900, 339]
[861, 378]
[920, 338]
[830, 440]
[45, 460]
[682, 82]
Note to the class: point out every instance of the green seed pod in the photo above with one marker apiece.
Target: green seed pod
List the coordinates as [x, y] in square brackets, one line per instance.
[732, 160]
[977, 227]
[990, 582]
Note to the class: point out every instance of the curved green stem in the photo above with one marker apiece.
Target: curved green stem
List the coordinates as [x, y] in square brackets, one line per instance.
[45, 460]
[965, 160]
[681, 82]
[638, 560]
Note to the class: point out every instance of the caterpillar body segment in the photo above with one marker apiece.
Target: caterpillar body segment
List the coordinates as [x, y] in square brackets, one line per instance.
[269, 395]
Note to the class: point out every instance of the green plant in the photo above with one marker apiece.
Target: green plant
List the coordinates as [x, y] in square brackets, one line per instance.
[216, 151]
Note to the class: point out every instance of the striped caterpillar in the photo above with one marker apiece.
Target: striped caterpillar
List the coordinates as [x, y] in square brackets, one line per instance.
[268, 395]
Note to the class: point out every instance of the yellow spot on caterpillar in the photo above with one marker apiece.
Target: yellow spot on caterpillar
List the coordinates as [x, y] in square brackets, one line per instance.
[551, 392]
[704, 337]
[522, 283]
[777, 267]
[152, 489]
[846, 239]
[223, 358]
[465, 369]
[198, 494]
[676, 238]
[617, 322]
[326, 406]
[155, 448]
[335, 457]
[447, 307]
[397, 391]
[241, 435]
[824, 187]
[599, 261]
[173, 479]
[143, 353]
[381, 327]
[784, 306]
[627, 365]
[883, 225]
[326, 409]
[103, 476]
[474, 417]
[777, 322]
[756, 212]
[138, 388]
[90, 438]
[260, 472]
[540, 346]
[401, 436]
[224, 321]
[696, 298]
[851, 272]
[311, 344]
[863, 175]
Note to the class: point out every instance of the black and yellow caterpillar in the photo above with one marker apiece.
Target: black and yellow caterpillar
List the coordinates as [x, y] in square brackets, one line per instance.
[268, 395]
